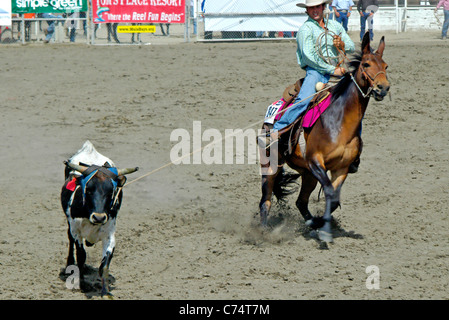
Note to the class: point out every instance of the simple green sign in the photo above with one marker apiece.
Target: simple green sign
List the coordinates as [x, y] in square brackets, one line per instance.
[40, 6]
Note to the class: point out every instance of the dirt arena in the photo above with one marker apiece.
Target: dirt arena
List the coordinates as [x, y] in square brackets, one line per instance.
[188, 231]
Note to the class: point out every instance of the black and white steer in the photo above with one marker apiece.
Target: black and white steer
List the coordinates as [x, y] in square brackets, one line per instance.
[91, 198]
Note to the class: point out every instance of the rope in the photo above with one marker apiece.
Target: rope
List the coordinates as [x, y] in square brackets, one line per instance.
[435, 13]
[342, 57]
[318, 47]
[220, 140]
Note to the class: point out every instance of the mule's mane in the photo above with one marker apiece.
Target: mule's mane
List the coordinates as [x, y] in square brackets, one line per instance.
[344, 82]
[333, 117]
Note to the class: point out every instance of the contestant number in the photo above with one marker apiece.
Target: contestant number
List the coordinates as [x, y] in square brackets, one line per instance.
[272, 110]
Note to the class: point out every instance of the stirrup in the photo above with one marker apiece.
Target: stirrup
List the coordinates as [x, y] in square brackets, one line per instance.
[267, 140]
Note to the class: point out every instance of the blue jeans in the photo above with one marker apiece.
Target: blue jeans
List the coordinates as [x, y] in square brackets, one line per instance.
[445, 24]
[363, 20]
[307, 90]
[343, 19]
[50, 30]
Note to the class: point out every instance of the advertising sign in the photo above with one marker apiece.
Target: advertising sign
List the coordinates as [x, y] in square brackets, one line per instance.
[5, 13]
[138, 11]
[49, 6]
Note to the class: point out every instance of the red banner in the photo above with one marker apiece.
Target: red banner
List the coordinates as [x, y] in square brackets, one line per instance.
[139, 11]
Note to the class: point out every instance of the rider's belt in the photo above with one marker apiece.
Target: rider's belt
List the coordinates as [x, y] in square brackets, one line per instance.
[344, 11]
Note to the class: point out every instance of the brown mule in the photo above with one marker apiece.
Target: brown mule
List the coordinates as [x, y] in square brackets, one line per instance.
[333, 143]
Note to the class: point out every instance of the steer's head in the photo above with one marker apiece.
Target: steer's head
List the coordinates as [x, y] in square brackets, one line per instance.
[101, 191]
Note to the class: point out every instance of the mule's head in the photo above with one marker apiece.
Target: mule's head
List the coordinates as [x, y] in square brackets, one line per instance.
[373, 69]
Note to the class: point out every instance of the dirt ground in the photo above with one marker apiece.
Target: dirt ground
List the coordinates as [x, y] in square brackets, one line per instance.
[189, 231]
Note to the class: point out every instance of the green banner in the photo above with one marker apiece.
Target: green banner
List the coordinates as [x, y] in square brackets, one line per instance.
[40, 6]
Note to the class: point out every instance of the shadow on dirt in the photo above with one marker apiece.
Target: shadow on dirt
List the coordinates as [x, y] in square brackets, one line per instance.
[284, 219]
[90, 282]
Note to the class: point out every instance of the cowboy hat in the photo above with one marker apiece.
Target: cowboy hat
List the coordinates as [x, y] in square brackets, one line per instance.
[312, 3]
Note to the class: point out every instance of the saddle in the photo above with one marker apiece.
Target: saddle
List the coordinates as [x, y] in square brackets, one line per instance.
[290, 135]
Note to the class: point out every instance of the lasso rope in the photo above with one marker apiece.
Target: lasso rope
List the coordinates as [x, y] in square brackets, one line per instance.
[435, 13]
[319, 48]
[224, 138]
[342, 57]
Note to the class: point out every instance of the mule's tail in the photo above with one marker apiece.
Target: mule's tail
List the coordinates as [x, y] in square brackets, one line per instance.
[285, 184]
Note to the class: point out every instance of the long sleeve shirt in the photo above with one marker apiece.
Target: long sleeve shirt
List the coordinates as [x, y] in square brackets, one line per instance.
[306, 40]
[444, 3]
[362, 5]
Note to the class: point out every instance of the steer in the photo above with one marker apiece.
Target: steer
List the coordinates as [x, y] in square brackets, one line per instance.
[91, 198]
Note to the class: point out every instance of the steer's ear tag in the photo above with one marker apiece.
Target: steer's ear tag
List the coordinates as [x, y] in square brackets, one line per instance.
[71, 185]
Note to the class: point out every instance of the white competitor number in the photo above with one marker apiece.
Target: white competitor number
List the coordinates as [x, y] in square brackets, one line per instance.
[272, 111]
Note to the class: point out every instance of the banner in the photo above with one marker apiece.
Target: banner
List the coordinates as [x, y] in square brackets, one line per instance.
[139, 11]
[49, 6]
[254, 15]
[5, 13]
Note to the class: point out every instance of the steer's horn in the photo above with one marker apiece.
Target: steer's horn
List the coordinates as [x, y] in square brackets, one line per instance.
[75, 166]
[122, 172]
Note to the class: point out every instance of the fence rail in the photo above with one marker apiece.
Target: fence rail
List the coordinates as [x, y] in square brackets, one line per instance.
[394, 18]
[34, 30]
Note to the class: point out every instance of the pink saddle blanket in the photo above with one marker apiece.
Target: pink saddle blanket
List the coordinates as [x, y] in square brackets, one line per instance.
[313, 114]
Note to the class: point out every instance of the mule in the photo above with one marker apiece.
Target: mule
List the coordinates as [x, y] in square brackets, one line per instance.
[332, 144]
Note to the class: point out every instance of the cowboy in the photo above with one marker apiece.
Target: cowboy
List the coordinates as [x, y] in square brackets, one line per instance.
[317, 69]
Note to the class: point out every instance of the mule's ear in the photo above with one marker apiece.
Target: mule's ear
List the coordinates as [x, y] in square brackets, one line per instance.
[380, 49]
[366, 44]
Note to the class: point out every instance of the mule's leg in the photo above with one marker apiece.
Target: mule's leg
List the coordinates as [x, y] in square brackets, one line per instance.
[270, 167]
[308, 184]
[338, 177]
[332, 201]
[108, 252]
[267, 194]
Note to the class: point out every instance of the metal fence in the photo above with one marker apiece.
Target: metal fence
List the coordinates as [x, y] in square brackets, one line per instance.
[78, 29]
[281, 19]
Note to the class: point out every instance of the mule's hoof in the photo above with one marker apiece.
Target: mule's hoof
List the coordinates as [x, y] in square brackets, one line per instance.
[315, 223]
[325, 236]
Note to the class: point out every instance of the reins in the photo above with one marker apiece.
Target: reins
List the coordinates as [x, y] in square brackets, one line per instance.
[367, 76]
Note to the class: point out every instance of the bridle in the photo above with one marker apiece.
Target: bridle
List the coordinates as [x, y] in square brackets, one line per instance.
[369, 78]
[89, 173]
[343, 57]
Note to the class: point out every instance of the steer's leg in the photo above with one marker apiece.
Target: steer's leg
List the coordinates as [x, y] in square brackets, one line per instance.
[80, 255]
[71, 257]
[108, 251]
